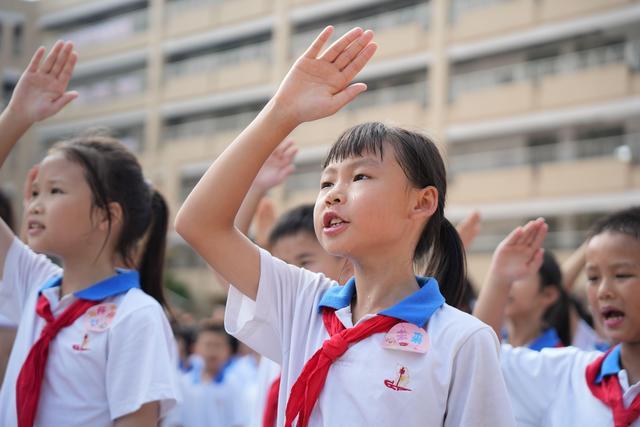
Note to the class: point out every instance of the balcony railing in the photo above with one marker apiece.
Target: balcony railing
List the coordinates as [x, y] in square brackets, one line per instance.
[110, 87]
[106, 31]
[214, 61]
[627, 53]
[416, 91]
[208, 126]
[418, 13]
[617, 146]
[458, 8]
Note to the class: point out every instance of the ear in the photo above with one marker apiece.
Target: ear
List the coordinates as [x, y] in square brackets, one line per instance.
[116, 216]
[549, 294]
[425, 202]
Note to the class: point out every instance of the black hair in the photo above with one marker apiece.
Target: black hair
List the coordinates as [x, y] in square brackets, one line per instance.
[114, 175]
[626, 221]
[187, 335]
[292, 222]
[218, 329]
[6, 211]
[439, 245]
[557, 315]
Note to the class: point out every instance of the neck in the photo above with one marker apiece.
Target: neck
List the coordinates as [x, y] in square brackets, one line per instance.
[630, 358]
[80, 274]
[523, 331]
[380, 285]
[209, 373]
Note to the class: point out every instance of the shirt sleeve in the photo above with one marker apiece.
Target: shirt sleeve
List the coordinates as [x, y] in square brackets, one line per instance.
[141, 363]
[533, 378]
[477, 390]
[287, 299]
[24, 272]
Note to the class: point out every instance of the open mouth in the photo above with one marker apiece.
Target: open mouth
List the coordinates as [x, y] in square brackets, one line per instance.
[331, 220]
[34, 226]
[612, 317]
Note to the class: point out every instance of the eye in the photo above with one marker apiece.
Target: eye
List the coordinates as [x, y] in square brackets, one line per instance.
[592, 279]
[34, 193]
[360, 177]
[325, 184]
[56, 190]
[623, 275]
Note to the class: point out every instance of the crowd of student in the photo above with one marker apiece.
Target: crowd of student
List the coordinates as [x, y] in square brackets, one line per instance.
[332, 325]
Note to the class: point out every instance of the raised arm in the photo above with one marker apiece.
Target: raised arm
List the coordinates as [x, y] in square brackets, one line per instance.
[317, 86]
[275, 170]
[40, 93]
[517, 256]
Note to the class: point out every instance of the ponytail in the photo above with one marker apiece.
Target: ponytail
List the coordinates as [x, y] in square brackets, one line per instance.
[446, 260]
[152, 261]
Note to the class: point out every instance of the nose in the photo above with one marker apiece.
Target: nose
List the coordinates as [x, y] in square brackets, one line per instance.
[605, 289]
[334, 196]
[34, 206]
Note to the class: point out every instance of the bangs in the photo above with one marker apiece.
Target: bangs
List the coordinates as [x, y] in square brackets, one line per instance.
[366, 138]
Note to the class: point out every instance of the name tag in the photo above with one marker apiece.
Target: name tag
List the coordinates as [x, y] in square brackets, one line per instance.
[407, 337]
[99, 317]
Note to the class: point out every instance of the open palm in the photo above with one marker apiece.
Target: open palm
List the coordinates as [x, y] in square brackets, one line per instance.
[520, 253]
[41, 90]
[319, 85]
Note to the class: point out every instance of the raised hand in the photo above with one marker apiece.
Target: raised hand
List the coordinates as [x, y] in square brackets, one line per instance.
[41, 90]
[469, 228]
[520, 253]
[277, 167]
[318, 85]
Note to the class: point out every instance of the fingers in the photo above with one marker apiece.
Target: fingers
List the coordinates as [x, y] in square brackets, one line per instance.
[67, 69]
[62, 59]
[352, 50]
[358, 63]
[346, 95]
[314, 50]
[341, 44]
[52, 57]
[62, 101]
[35, 60]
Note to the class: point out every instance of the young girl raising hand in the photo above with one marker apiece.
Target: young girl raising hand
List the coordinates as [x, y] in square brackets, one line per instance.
[93, 346]
[385, 348]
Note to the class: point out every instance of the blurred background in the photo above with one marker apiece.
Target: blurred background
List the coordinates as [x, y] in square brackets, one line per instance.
[535, 103]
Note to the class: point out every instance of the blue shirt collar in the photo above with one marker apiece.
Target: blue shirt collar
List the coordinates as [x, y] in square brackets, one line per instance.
[610, 365]
[417, 308]
[196, 372]
[548, 338]
[111, 286]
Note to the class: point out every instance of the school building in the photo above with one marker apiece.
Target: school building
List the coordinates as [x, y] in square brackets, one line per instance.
[536, 103]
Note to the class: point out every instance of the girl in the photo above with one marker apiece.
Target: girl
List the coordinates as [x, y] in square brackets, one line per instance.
[387, 336]
[560, 387]
[93, 346]
[537, 310]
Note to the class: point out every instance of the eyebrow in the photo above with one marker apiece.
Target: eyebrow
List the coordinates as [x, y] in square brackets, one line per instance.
[360, 161]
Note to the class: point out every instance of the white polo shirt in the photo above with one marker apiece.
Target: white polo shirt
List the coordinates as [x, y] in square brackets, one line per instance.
[218, 403]
[549, 388]
[110, 361]
[268, 372]
[457, 382]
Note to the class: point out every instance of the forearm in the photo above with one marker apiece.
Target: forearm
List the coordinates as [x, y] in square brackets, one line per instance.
[248, 209]
[12, 128]
[492, 301]
[572, 267]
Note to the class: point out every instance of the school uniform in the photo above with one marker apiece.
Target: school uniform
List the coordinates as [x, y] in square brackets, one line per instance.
[110, 361]
[547, 339]
[268, 372]
[549, 388]
[215, 403]
[456, 382]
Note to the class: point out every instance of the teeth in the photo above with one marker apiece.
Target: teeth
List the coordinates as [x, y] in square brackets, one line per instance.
[335, 221]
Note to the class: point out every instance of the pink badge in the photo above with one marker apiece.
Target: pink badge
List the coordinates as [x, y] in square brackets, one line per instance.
[407, 337]
[99, 317]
